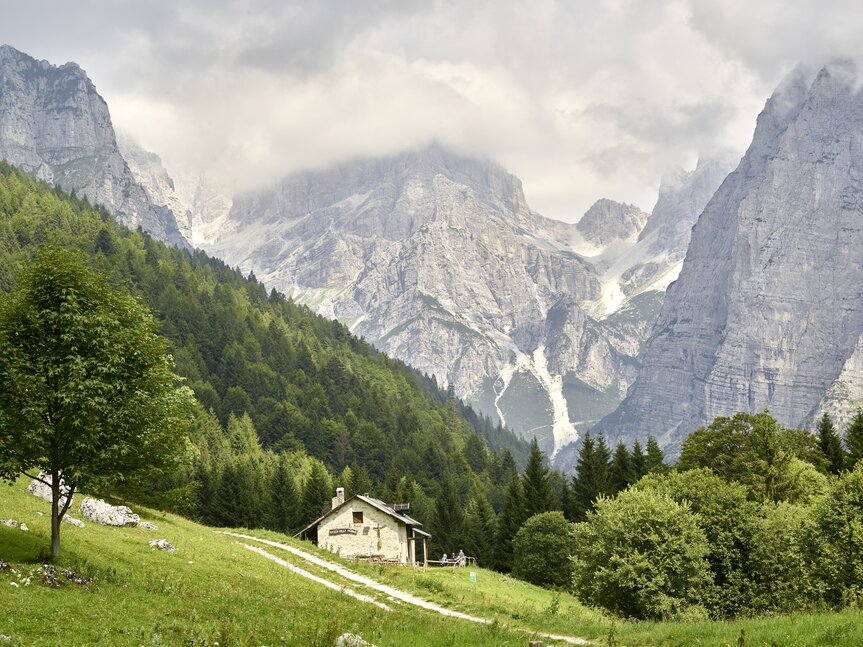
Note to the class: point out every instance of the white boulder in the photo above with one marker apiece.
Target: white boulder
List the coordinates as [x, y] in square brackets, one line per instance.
[73, 521]
[97, 511]
[352, 640]
[162, 544]
[41, 487]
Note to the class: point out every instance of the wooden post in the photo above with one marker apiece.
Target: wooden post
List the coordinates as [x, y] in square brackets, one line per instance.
[425, 555]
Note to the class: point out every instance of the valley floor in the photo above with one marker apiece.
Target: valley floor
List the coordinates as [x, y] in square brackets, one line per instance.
[215, 590]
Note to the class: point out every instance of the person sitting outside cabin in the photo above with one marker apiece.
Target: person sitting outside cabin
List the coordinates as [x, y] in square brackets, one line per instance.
[461, 558]
[443, 560]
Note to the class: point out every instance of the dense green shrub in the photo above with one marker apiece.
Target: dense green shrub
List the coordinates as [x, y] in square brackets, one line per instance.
[781, 559]
[837, 539]
[728, 520]
[642, 555]
[542, 550]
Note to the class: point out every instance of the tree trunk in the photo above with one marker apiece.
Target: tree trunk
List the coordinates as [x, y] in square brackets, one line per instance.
[55, 515]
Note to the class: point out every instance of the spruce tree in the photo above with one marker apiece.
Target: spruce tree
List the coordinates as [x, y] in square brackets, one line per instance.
[592, 478]
[284, 498]
[830, 445]
[655, 457]
[638, 461]
[317, 494]
[360, 482]
[621, 474]
[511, 518]
[448, 523]
[854, 440]
[537, 488]
[479, 529]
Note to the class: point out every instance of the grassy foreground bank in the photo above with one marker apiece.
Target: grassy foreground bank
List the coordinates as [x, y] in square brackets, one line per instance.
[212, 590]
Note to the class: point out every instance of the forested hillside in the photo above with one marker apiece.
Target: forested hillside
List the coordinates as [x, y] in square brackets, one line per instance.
[292, 403]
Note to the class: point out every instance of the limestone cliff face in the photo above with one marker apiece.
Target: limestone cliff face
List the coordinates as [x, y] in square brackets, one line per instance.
[768, 309]
[54, 125]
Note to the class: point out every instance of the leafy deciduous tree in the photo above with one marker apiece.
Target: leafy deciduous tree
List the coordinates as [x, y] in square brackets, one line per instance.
[641, 555]
[542, 549]
[87, 391]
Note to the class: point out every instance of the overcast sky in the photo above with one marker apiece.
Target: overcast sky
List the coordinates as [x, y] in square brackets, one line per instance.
[581, 99]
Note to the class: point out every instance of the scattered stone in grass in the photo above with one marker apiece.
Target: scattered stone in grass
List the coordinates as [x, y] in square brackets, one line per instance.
[73, 521]
[73, 577]
[5, 639]
[9, 523]
[162, 544]
[352, 640]
[4, 566]
[23, 527]
[97, 511]
[147, 525]
[49, 575]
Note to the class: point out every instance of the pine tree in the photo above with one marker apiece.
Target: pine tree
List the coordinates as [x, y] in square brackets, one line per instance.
[511, 517]
[284, 499]
[854, 440]
[360, 483]
[592, 477]
[239, 500]
[479, 529]
[638, 461]
[655, 457]
[620, 473]
[448, 522]
[830, 445]
[317, 493]
[537, 488]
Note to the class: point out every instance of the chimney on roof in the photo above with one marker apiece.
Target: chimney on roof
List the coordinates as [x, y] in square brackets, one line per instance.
[339, 498]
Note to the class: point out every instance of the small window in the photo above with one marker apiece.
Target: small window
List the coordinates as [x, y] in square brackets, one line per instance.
[358, 516]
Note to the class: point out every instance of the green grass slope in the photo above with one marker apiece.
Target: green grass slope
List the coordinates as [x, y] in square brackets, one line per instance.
[214, 591]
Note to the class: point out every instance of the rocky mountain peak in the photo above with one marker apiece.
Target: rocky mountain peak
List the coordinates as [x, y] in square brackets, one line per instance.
[55, 126]
[607, 221]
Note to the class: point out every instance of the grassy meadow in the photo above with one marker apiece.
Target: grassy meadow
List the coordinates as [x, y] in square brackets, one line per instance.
[213, 591]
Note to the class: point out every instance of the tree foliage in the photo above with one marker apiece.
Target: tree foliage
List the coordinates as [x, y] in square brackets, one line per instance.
[542, 549]
[642, 555]
[830, 445]
[87, 390]
[591, 478]
[728, 520]
[538, 496]
[752, 449]
[854, 440]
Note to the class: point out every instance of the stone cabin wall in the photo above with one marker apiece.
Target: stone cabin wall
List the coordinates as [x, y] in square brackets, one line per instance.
[393, 543]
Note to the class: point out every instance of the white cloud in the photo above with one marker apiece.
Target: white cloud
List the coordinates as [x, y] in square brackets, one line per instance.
[581, 99]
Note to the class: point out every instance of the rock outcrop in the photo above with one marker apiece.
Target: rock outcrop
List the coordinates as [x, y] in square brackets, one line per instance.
[55, 126]
[98, 511]
[767, 310]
